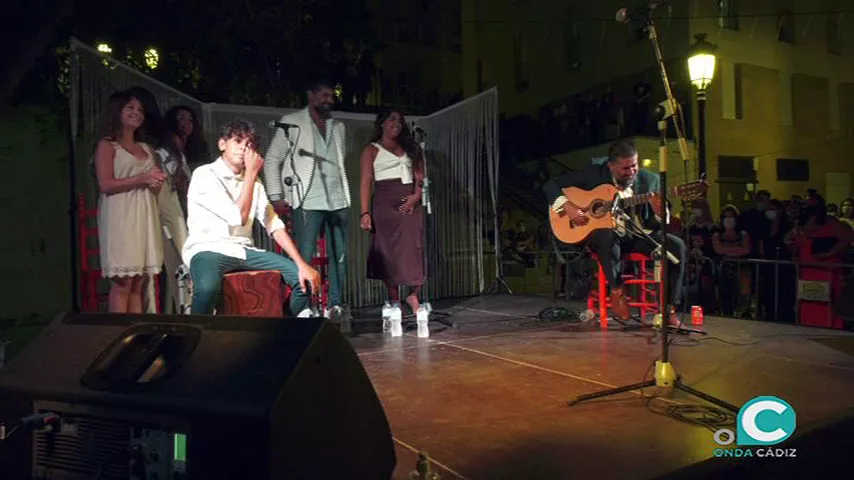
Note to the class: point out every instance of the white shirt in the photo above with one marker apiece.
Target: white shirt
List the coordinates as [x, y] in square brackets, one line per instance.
[388, 166]
[213, 217]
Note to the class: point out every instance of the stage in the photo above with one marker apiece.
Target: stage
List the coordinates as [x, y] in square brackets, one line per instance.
[488, 399]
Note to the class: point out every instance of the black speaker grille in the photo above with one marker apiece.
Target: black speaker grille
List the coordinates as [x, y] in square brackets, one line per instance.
[86, 446]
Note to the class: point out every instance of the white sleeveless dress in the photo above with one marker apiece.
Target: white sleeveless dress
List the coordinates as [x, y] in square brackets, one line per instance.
[129, 235]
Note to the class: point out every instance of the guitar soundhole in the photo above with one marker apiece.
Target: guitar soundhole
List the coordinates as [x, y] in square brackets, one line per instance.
[598, 209]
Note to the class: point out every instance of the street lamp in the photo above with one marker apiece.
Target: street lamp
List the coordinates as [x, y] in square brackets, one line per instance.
[701, 69]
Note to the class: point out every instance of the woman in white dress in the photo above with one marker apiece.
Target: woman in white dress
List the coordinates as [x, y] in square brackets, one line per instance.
[129, 235]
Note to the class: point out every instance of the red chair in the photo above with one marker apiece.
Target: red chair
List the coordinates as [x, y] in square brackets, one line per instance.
[644, 282]
[87, 238]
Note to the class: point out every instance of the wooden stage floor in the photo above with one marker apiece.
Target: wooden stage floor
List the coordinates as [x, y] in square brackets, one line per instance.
[488, 399]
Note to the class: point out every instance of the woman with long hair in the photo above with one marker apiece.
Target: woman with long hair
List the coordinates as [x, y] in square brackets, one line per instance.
[183, 126]
[169, 202]
[392, 166]
[128, 219]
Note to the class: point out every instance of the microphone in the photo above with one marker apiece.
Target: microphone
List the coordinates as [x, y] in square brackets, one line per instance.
[656, 254]
[625, 15]
[277, 124]
[418, 133]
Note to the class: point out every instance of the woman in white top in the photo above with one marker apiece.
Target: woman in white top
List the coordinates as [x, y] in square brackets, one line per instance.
[128, 218]
[392, 167]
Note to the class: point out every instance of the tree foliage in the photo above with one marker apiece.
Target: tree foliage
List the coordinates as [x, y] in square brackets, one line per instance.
[260, 52]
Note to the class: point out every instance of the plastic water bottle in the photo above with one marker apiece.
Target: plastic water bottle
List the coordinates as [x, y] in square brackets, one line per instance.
[396, 317]
[344, 315]
[386, 317]
[423, 316]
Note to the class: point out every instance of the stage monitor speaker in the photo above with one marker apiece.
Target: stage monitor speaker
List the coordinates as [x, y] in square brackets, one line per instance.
[191, 396]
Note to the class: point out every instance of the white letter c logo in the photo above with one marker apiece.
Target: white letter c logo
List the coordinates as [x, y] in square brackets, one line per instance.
[748, 421]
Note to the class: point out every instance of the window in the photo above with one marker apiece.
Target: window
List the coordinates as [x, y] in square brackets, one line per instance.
[834, 40]
[735, 169]
[786, 27]
[727, 14]
[793, 170]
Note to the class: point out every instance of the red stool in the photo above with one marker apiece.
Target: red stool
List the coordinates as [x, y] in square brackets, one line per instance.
[648, 288]
[320, 262]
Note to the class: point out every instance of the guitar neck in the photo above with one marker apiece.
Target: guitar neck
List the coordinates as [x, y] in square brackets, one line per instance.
[642, 198]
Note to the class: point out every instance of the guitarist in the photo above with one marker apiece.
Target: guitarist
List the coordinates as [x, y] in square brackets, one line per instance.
[623, 171]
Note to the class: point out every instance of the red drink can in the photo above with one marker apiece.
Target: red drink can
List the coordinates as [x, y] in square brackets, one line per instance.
[696, 315]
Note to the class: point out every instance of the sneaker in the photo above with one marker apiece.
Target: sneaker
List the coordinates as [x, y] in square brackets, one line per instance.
[334, 314]
[306, 313]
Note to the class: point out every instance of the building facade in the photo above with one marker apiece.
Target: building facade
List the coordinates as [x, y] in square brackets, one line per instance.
[418, 63]
[780, 110]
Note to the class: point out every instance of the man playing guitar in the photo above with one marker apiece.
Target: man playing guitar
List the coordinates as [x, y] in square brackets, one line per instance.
[620, 170]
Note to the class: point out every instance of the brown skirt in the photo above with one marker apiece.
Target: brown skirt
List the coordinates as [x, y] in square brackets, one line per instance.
[396, 251]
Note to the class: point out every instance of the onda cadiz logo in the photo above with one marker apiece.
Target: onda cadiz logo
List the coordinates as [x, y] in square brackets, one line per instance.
[761, 422]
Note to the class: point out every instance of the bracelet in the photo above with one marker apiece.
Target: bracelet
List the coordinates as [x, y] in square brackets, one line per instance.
[364, 213]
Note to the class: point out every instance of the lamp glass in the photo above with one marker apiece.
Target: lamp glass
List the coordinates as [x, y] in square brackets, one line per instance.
[701, 68]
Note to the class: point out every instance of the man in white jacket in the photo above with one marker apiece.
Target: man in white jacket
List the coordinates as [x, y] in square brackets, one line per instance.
[309, 155]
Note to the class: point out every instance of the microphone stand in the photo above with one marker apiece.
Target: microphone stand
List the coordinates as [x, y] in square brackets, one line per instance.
[665, 374]
[428, 208]
[294, 187]
[658, 254]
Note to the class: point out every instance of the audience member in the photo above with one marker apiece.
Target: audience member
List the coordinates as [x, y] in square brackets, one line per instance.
[731, 243]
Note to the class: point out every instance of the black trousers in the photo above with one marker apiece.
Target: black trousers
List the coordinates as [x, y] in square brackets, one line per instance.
[610, 247]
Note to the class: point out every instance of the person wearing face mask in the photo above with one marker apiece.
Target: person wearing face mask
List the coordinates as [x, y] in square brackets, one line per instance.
[846, 211]
[754, 221]
[700, 269]
[730, 243]
[782, 277]
[794, 208]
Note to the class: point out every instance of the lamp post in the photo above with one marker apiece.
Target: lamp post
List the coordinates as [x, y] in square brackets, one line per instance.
[701, 69]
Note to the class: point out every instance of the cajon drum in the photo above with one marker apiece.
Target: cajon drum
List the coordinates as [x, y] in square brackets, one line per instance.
[259, 293]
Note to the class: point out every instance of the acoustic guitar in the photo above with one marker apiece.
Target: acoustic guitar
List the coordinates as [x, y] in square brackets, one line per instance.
[599, 205]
